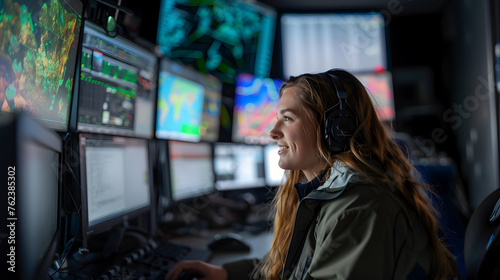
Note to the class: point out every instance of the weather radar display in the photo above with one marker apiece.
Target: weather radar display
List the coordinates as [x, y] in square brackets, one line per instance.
[255, 104]
[38, 50]
[180, 108]
[222, 37]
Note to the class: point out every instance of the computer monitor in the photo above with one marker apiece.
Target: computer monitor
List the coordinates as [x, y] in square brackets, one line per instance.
[212, 103]
[39, 49]
[379, 86]
[117, 87]
[317, 42]
[181, 97]
[274, 174]
[115, 181]
[31, 158]
[255, 103]
[223, 37]
[238, 166]
[190, 170]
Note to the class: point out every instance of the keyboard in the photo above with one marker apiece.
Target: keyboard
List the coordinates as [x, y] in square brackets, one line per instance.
[153, 261]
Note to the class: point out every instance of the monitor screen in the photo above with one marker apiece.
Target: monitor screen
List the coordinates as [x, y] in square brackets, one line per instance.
[31, 158]
[238, 166]
[181, 99]
[38, 54]
[273, 173]
[115, 180]
[255, 104]
[118, 82]
[379, 86]
[210, 119]
[313, 43]
[223, 37]
[191, 169]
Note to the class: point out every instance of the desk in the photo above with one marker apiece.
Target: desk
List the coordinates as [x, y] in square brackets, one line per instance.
[259, 244]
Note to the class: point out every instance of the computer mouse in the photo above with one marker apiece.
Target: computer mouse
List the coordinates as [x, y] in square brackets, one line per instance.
[229, 242]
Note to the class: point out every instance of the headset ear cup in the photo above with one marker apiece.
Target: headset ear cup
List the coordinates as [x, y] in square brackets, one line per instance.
[340, 122]
[340, 125]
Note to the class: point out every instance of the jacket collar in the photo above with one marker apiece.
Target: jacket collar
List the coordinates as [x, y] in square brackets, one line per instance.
[340, 177]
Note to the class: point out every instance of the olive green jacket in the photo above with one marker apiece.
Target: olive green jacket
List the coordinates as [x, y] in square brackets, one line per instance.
[346, 229]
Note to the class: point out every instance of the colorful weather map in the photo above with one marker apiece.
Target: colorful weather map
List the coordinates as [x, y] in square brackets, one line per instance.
[38, 50]
[209, 129]
[180, 108]
[379, 86]
[255, 103]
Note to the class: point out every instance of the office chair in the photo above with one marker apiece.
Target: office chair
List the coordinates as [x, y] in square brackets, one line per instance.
[442, 179]
[482, 240]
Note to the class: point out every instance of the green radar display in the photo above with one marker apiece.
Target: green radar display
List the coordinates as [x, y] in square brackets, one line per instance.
[38, 53]
[221, 37]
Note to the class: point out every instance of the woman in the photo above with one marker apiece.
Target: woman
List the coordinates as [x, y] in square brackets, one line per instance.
[350, 207]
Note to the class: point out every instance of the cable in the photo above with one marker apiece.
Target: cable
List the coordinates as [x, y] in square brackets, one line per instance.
[78, 208]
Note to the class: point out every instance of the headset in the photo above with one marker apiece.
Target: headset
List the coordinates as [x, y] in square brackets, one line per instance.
[340, 122]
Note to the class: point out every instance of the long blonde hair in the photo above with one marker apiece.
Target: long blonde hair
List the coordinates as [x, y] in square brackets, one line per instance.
[372, 152]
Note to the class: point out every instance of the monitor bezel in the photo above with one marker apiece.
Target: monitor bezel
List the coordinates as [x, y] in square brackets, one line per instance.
[26, 129]
[118, 219]
[386, 19]
[93, 129]
[195, 76]
[67, 125]
[239, 187]
[226, 73]
[167, 170]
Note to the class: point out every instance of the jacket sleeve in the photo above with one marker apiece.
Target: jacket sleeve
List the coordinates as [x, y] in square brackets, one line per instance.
[240, 270]
[352, 245]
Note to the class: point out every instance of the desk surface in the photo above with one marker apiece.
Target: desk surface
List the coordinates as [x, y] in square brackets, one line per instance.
[259, 244]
